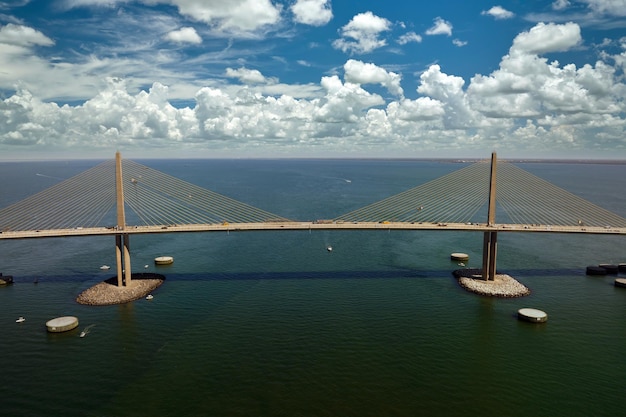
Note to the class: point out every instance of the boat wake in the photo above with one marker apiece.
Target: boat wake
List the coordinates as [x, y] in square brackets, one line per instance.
[86, 330]
[48, 176]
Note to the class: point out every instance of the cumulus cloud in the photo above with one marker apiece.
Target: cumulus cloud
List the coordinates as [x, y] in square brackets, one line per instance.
[232, 17]
[361, 73]
[527, 86]
[610, 7]
[424, 108]
[248, 76]
[184, 35]
[409, 37]
[448, 89]
[544, 38]
[440, 27]
[361, 34]
[560, 4]
[25, 36]
[526, 100]
[312, 12]
[498, 12]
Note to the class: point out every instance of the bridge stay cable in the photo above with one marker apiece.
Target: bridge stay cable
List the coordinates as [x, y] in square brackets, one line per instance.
[80, 201]
[455, 197]
[158, 199]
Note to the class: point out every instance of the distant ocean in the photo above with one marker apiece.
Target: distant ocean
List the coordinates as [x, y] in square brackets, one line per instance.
[272, 324]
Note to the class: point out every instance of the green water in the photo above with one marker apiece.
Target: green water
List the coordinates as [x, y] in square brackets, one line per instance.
[272, 324]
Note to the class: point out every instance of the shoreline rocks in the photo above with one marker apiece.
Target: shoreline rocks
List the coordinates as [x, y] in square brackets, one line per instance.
[108, 293]
[502, 286]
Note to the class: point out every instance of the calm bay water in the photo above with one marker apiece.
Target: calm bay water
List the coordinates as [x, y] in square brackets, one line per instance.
[271, 324]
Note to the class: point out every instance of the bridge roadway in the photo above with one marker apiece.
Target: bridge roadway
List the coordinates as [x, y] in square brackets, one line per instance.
[316, 225]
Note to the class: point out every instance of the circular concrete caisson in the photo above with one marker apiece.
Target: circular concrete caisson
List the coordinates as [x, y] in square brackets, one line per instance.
[62, 324]
[532, 315]
[164, 260]
[457, 256]
[620, 282]
[610, 268]
[596, 270]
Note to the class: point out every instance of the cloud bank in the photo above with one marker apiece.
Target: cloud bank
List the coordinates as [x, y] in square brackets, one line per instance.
[527, 103]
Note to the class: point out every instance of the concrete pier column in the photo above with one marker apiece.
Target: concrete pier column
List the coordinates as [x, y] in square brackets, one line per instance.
[490, 239]
[490, 249]
[127, 269]
[118, 260]
[121, 239]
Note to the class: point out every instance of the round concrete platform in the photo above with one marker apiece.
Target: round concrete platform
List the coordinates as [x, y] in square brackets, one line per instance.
[620, 282]
[458, 256]
[532, 315]
[595, 270]
[164, 260]
[62, 324]
[610, 268]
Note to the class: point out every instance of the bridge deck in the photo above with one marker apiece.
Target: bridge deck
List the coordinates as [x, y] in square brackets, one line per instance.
[317, 225]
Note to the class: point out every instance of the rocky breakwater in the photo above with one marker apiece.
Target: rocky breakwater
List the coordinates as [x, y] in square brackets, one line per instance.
[108, 293]
[502, 286]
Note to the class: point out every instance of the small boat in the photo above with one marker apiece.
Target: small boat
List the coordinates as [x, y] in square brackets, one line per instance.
[83, 333]
[149, 297]
[20, 320]
[329, 248]
[105, 267]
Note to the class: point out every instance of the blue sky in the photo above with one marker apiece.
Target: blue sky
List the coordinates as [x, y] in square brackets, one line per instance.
[312, 78]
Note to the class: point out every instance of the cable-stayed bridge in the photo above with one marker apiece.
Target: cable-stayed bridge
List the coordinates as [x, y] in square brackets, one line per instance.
[122, 197]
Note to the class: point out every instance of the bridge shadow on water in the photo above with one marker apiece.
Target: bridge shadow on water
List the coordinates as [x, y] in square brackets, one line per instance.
[306, 275]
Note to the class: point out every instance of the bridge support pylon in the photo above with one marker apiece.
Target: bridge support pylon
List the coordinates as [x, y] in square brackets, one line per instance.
[122, 240]
[490, 239]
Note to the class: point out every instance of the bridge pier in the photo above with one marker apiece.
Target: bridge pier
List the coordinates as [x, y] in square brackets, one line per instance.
[122, 240]
[490, 246]
[122, 257]
[490, 239]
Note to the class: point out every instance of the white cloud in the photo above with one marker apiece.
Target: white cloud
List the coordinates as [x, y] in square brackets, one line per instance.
[409, 37]
[184, 35]
[25, 36]
[232, 17]
[527, 100]
[560, 4]
[344, 102]
[361, 34]
[248, 76]
[361, 73]
[440, 27]
[527, 86]
[448, 89]
[459, 43]
[498, 12]
[544, 38]
[312, 12]
[607, 7]
[424, 108]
